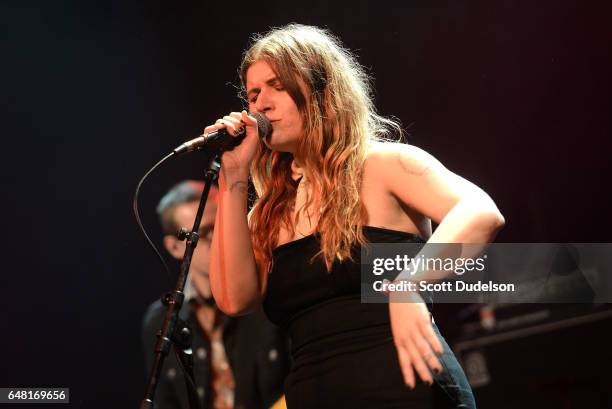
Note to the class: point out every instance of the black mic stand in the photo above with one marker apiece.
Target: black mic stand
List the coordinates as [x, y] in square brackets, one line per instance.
[175, 331]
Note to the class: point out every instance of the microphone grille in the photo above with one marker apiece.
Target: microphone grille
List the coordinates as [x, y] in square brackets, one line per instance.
[264, 127]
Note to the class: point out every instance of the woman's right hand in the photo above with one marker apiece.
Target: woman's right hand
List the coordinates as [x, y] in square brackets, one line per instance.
[238, 160]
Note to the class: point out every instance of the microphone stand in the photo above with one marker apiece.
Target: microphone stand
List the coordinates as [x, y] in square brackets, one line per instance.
[175, 331]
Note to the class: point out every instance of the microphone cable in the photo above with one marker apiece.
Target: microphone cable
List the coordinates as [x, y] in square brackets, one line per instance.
[137, 212]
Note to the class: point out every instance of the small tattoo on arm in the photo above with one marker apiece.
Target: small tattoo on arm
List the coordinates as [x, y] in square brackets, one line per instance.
[411, 168]
[240, 186]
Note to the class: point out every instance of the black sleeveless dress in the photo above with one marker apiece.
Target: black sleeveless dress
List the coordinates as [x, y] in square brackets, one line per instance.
[342, 350]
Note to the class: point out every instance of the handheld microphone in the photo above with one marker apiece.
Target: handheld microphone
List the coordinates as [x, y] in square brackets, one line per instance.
[220, 141]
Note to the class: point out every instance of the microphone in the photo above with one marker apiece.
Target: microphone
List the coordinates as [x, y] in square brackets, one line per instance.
[220, 141]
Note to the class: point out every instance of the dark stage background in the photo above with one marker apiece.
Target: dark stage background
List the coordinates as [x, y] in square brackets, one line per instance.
[514, 96]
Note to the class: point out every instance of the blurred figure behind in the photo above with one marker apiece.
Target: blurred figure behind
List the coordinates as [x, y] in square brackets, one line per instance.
[239, 362]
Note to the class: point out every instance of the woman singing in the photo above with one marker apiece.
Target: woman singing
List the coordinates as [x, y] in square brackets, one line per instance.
[328, 182]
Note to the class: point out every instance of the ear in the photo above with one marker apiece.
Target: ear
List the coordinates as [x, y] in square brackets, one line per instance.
[174, 246]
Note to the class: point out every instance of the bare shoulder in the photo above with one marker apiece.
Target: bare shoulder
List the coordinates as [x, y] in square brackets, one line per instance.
[416, 178]
[392, 159]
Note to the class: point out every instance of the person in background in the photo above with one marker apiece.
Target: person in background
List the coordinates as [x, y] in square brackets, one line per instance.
[239, 362]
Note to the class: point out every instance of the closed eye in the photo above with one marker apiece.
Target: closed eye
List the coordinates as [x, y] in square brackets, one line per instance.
[276, 84]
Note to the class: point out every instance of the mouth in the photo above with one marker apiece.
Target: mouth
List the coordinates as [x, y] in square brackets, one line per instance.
[272, 124]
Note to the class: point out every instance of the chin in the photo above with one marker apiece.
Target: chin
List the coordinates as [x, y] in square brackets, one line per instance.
[280, 146]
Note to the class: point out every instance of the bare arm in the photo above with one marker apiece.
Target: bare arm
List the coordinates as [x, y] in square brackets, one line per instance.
[465, 214]
[463, 211]
[234, 281]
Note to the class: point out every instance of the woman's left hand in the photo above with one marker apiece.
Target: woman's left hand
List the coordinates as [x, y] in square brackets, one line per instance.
[414, 337]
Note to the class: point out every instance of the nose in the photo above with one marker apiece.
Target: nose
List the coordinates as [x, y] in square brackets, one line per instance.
[264, 102]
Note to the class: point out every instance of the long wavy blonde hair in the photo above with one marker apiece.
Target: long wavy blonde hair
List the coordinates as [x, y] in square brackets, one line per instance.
[340, 122]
